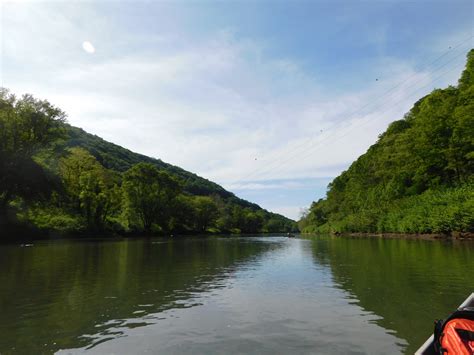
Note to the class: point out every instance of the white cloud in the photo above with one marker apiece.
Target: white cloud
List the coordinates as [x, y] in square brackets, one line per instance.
[286, 184]
[216, 105]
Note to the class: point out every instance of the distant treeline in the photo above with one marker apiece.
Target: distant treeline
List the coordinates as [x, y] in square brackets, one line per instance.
[417, 178]
[55, 178]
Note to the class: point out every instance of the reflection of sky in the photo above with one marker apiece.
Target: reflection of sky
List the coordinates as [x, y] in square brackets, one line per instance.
[278, 303]
[241, 90]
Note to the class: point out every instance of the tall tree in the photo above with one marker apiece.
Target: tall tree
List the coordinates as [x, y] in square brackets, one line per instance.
[91, 189]
[205, 212]
[151, 195]
[27, 126]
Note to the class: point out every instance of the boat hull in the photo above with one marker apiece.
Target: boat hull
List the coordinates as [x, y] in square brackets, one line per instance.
[428, 347]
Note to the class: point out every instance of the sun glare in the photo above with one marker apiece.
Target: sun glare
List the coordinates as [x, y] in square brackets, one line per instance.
[88, 47]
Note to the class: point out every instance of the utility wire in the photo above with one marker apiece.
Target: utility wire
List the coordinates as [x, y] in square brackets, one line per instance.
[309, 151]
[267, 168]
[317, 144]
[252, 174]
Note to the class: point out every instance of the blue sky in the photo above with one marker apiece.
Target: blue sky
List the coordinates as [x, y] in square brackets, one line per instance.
[271, 99]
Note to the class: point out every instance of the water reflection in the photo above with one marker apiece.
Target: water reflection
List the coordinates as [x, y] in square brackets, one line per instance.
[261, 295]
[407, 283]
[79, 294]
[277, 302]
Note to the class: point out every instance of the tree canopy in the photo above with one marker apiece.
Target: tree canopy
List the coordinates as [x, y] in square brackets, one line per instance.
[27, 126]
[418, 176]
[58, 178]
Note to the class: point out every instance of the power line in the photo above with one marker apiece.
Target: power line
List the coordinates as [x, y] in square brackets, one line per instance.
[330, 136]
[267, 168]
[359, 110]
[309, 151]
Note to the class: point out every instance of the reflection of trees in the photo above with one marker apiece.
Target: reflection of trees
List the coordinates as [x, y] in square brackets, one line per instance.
[54, 293]
[408, 283]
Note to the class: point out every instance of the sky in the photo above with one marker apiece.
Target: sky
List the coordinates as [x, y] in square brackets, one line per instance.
[270, 99]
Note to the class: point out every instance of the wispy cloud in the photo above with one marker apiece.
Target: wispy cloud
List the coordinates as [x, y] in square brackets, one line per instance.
[271, 184]
[217, 103]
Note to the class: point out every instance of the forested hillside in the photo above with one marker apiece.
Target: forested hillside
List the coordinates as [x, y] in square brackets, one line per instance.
[417, 178]
[117, 158]
[55, 178]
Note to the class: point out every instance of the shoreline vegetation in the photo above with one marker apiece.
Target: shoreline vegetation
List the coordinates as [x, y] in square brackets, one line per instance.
[25, 236]
[418, 178]
[57, 180]
[468, 236]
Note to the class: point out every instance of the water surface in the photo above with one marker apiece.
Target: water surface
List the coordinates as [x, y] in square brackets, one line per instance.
[219, 295]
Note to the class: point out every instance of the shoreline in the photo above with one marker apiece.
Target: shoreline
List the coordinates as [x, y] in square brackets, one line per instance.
[31, 238]
[421, 236]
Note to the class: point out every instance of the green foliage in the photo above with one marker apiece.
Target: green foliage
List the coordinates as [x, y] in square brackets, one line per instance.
[150, 195]
[434, 211]
[418, 177]
[90, 189]
[234, 215]
[56, 177]
[120, 159]
[27, 126]
[51, 218]
[205, 213]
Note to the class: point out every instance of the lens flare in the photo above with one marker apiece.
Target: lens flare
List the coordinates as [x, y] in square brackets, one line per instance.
[88, 47]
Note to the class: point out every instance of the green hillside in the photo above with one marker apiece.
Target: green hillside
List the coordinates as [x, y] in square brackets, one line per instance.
[417, 178]
[117, 158]
[56, 178]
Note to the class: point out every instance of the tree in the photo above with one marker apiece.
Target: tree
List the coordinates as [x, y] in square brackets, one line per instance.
[205, 213]
[252, 222]
[91, 189]
[27, 126]
[422, 164]
[150, 195]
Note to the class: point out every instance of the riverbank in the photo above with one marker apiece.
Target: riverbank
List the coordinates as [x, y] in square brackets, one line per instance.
[28, 234]
[424, 236]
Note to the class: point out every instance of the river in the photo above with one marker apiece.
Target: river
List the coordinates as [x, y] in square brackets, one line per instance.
[224, 295]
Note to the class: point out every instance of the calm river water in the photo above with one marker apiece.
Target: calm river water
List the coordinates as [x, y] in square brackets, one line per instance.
[222, 295]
